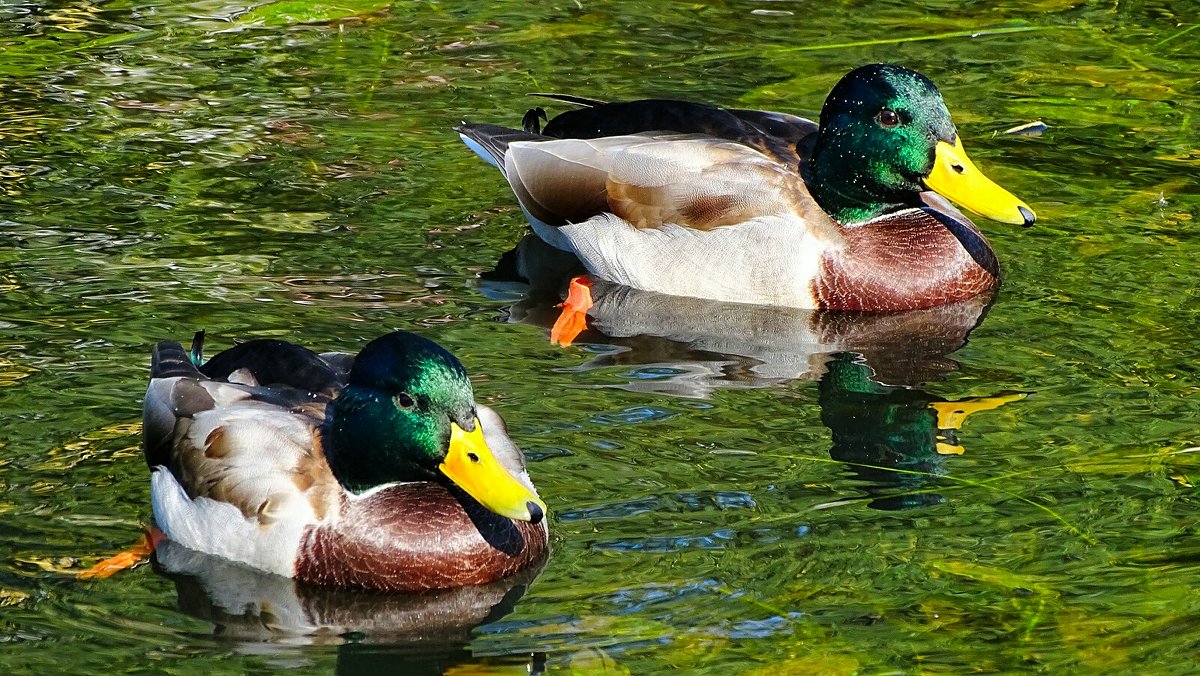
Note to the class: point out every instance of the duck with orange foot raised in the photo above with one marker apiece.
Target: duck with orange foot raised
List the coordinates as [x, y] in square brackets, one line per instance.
[758, 207]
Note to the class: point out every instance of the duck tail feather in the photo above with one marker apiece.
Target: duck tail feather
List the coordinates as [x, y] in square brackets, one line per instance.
[196, 355]
[169, 360]
[567, 98]
[491, 141]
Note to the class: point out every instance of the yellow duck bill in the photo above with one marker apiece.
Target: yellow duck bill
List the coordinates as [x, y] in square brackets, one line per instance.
[956, 178]
[472, 466]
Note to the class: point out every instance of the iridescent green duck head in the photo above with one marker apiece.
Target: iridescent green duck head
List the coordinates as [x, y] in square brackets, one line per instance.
[886, 135]
[408, 413]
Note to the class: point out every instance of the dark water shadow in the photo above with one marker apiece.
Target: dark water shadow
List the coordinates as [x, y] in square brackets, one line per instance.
[359, 659]
[870, 367]
[417, 632]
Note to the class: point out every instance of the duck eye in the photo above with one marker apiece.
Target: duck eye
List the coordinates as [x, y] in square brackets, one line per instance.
[404, 400]
[888, 119]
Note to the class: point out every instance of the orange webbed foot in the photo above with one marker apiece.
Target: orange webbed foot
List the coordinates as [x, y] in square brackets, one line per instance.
[573, 319]
[126, 559]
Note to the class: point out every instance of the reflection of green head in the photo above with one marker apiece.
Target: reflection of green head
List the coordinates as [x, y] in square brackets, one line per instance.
[880, 426]
[861, 411]
[392, 420]
[879, 130]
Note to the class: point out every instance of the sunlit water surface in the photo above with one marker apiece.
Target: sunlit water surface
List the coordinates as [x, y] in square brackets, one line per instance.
[716, 506]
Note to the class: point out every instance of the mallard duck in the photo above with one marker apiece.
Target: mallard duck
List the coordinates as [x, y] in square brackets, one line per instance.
[758, 207]
[375, 471]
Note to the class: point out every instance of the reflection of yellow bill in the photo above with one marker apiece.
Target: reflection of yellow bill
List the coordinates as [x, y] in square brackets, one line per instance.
[471, 465]
[949, 449]
[956, 178]
[952, 414]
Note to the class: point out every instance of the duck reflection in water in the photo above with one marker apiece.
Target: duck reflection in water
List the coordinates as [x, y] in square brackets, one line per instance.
[893, 437]
[413, 633]
[870, 366]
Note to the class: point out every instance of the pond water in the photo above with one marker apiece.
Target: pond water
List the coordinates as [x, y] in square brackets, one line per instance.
[725, 498]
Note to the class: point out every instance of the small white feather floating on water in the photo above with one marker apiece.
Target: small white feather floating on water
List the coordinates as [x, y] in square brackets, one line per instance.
[1035, 128]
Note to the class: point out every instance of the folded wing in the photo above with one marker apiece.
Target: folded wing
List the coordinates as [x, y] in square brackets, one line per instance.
[238, 442]
[649, 180]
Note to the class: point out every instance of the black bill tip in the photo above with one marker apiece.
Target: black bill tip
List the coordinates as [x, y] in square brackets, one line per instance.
[1027, 215]
[535, 512]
